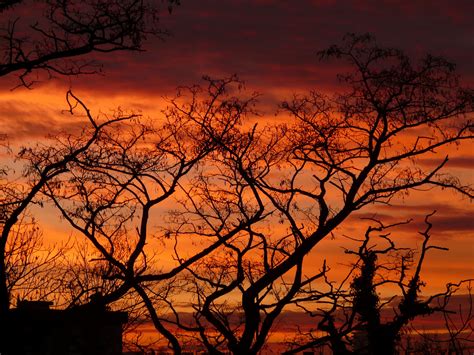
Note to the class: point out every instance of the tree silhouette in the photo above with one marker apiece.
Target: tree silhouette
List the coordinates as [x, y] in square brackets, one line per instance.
[340, 155]
[358, 321]
[58, 43]
[52, 162]
[61, 41]
[110, 192]
[206, 212]
[30, 264]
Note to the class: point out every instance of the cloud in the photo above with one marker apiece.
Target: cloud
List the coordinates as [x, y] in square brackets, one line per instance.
[448, 218]
[23, 121]
[274, 46]
[463, 162]
[461, 301]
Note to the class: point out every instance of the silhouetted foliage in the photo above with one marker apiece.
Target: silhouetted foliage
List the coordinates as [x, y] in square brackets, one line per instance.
[204, 212]
[359, 321]
[30, 264]
[110, 192]
[340, 155]
[59, 42]
[44, 167]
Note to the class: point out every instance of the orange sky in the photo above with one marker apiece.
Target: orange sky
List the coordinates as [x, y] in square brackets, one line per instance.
[272, 46]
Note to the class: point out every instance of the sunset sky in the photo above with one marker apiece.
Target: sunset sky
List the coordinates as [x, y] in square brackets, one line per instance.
[272, 46]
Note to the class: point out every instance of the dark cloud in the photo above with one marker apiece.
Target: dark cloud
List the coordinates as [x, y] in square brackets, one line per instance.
[273, 44]
[447, 219]
[462, 223]
[465, 162]
[461, 301]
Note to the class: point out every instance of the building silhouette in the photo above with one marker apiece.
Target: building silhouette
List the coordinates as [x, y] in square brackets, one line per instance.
[33, 328]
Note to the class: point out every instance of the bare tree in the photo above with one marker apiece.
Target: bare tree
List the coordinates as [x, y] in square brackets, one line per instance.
[355, 320]
[30, 263]
[61, 41]
[248, 204]
[341, 154]
[17, 196]
[111, 192]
